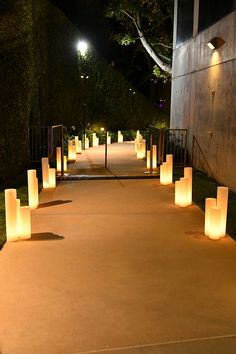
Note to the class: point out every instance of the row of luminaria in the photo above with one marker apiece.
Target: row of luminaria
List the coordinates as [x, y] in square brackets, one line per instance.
[18, 218]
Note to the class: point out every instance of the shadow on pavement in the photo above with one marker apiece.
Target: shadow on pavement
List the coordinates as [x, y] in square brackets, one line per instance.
[45, 236]
[53, 203]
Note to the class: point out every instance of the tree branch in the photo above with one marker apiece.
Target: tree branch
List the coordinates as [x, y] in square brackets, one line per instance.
[164, 66]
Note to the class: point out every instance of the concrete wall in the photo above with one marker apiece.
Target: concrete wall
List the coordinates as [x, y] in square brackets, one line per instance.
[204, 99]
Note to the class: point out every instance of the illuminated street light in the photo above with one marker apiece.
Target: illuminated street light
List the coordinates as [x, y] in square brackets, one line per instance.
[82, 47]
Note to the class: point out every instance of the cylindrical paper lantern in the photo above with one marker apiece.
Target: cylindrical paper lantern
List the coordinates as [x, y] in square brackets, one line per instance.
[169, 160]
[222, 203]
[164, 173]
[58, 156]
[120, 137]
[45, 172]
[11, 214]
[209, 203]
[24, 222]
[188, 173]
[183, 192]
[65, 163]
[86, 143]
[177, 193]
[148, 159]
[52, 178]
[154, 156]
[33, 195]
[215, 223]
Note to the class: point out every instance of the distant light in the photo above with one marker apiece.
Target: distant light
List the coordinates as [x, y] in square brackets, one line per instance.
[82, 47]
[102, 129]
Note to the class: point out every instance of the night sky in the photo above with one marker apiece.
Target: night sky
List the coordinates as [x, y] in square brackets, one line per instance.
[88, 17]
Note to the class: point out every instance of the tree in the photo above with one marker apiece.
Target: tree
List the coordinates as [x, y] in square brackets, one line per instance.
[145, 22]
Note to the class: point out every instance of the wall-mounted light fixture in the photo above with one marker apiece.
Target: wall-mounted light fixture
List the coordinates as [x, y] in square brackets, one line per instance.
[215, 43]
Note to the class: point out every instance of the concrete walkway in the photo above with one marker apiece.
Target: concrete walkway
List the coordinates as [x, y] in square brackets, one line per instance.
[114, 267]
[121, 160]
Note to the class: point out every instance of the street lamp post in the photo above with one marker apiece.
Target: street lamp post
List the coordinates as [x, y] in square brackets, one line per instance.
[84, 77]
[82, 48]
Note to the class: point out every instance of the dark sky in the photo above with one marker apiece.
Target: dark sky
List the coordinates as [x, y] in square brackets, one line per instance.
[87, 15]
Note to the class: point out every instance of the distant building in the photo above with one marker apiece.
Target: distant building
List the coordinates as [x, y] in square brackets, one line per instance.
[204, 84]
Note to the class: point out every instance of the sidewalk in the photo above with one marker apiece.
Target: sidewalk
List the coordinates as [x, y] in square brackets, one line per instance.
[115, 267]
[121, 160]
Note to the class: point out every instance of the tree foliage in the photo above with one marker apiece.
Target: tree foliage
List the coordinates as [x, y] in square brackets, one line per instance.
[146, 23]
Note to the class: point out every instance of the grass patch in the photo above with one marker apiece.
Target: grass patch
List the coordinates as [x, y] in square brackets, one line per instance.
[206, 187]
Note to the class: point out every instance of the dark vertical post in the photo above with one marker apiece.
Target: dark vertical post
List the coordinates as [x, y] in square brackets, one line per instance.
[84, 113]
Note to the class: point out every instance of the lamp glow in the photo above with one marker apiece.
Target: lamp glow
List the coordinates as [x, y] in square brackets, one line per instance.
[164, 173]
[11, 214]
[222, 203]
[215, 223]
[45, 172]
[108, 139]
[65, 163]
[33, 195]
[24, 222]
[177, 193]
[209, 203]
[148, 159]
[58, 157]
[82, 47]
[154, 156]
[169, 160]
[86, 142]
[120, 137]
[183, 192]
[52, 178]
[188, 173]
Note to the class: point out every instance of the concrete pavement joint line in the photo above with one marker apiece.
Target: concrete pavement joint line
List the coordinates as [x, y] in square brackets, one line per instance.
[201, 339]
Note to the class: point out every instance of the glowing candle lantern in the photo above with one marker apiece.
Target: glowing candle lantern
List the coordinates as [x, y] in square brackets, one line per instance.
[154, 156]
[86, 143]
[45, 172]
[58, 157]
[143, 148]
[148, 159]
[65, 163]
[139, 149]
[215, 223]
[33, 195]
[24, 222]
[164, 174]
[183, 192]
[169, 160]
[222, 203]
[71, 151]
[52, 178]
[209, 203]
[177, 193]
[11, 214]
[188, 173]
[94, 139]
[77, 145]
[120, 137]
